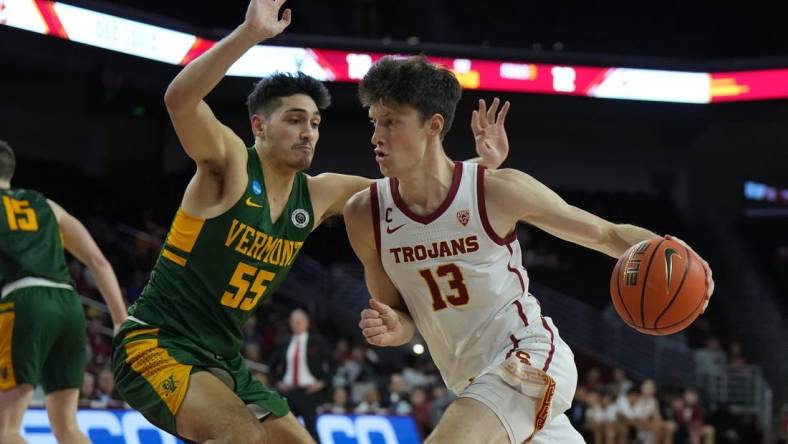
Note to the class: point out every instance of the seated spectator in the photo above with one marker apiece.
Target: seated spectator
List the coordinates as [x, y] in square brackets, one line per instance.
[620, 384]
[421, 411]
[107, 396]
[87, 394]
[626, 428]
[99, 346]
[593, 380]
[736, 357]
[420, 375]
[398, 396]
[689, 417]
[339, 405]
[356, 369]
[710, 361]
[652, 429]
[601, 418]
[370, 404]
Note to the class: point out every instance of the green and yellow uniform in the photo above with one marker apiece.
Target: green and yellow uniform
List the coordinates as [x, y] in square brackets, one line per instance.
[42, 323]
[209, 278]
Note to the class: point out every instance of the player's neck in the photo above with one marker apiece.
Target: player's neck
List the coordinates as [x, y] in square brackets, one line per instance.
[278, 178]
[425, 187]
[5, 184]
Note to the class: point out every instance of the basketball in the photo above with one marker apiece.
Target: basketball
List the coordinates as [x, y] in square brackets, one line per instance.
[658, 287]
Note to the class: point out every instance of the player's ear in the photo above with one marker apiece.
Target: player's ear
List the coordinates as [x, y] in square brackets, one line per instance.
[258, 125]
[435, 123]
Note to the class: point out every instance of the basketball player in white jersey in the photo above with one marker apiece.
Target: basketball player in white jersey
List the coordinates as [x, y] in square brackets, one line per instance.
[437, 241]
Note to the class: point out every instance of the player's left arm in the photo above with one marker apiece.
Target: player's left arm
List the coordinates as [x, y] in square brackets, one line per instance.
[387, 322]
[519, 197]
[330, 192]
[78, 241]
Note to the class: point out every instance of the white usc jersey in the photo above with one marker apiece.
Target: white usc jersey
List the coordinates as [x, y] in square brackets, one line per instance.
[464, 286]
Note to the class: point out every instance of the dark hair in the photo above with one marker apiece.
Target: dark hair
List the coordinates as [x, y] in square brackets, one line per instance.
[267, 92]
[7, 161]
[412, 82]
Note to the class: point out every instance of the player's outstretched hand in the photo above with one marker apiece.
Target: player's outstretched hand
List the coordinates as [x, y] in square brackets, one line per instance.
[492, 144]
[709, 278]
[262, 18]
[380, 324]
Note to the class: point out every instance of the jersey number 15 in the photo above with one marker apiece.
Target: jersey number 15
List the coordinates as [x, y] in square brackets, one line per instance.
[20, 215]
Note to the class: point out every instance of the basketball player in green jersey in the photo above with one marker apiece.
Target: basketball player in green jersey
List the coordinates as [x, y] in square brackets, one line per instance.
[42, 323]
[242, 221]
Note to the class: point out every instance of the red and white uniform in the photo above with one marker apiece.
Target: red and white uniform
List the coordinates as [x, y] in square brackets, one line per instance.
[467, 292]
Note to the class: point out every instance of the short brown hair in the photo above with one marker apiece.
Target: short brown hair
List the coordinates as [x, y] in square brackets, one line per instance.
[414, 82]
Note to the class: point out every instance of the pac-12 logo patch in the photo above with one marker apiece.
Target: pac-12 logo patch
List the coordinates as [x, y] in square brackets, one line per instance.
[464, 216]
[300, 218]
[257, 189]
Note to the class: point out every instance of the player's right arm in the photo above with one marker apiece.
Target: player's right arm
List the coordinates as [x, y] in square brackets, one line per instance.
[387, 322]
[215, 148]
[78, 241]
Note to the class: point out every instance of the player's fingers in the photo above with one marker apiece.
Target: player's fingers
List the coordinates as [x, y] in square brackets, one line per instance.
[369, 313]
[380, 307]
[475, 121]
[493, 108]
[367, 323]
[374, 331]
[502, 115]
[482, 112]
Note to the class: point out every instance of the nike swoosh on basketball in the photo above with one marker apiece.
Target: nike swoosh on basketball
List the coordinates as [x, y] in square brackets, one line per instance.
[251, 203]
[390, 230]
[669, 266]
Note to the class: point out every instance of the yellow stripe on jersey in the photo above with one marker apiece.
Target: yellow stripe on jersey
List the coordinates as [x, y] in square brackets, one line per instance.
[168, 377]
[173, 257]
[184, 231]
[144, 331]
[7, 377]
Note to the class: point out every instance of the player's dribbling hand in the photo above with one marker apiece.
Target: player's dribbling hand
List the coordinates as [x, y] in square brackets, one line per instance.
[380, 324]
[262, 17]
[492, 144]
[706, 268]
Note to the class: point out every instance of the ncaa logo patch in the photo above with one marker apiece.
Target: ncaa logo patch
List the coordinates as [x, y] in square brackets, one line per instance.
[257, 189]
[464, 216]
[300, 218]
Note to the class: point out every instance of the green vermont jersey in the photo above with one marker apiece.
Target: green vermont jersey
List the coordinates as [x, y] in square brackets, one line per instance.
[213, 273]
[30, 242]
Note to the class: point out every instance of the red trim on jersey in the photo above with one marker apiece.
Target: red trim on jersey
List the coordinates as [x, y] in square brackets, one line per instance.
[515, 346]
[515, 270]
[483, 212]
[455, 185]
[552, 345]
[521, 313]
[373, 194]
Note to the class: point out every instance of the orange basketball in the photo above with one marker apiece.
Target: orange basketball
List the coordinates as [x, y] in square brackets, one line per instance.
[658, 287]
